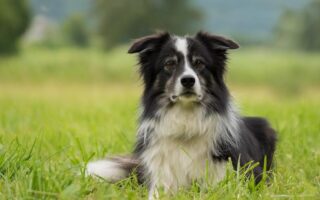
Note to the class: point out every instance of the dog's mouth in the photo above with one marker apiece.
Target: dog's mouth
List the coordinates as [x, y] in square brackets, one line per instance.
[189, 96]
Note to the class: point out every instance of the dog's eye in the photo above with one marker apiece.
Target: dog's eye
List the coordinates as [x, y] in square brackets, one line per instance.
[198, 63]
[168, 65]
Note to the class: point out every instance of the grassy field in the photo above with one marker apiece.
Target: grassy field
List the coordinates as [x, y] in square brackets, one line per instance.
[61, 108]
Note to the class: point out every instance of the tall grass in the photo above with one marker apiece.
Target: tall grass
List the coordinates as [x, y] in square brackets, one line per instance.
[60, 109]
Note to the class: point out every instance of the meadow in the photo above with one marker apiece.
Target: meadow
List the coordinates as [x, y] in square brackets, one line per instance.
[61, 108]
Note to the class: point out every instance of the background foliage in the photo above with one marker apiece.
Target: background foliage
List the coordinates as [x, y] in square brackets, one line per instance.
[120, 21]
[76, 31]
[110, 23]
[300, 29]
[14, 20]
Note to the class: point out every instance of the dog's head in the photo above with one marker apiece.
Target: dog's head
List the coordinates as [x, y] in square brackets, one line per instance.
[183, 70]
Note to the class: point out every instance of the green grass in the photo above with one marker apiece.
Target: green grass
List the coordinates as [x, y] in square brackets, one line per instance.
[285, 71]
[76, 65]
[58, 110]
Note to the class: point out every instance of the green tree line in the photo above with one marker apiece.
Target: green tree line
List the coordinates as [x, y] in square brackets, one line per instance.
[120, 21]
[300, 29]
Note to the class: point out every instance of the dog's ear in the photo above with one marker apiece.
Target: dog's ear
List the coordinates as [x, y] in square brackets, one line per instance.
[216, 42]
[148, 43]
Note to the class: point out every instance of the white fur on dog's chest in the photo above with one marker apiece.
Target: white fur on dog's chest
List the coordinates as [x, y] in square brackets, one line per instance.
[180, 150]
[172, 164]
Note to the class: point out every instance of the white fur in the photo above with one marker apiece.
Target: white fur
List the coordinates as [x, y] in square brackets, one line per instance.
[106, 169]
[181, 45]
[228, 125]
[180, 148]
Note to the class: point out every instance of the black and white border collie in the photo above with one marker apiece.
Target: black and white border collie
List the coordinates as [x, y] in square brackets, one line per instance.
[189, 127]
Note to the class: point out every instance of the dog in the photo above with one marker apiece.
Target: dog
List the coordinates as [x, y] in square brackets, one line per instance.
[189, 126]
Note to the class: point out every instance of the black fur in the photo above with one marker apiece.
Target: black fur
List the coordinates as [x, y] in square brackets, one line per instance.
[257, 145]
[257, 138]
[164, 62]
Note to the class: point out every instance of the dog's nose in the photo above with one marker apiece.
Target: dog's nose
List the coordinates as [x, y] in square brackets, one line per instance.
[188, 81]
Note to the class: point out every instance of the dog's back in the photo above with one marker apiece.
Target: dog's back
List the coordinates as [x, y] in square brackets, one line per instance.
[266, 137]
[256, 145]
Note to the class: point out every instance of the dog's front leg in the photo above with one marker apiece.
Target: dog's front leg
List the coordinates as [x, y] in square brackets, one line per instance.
[153, 192]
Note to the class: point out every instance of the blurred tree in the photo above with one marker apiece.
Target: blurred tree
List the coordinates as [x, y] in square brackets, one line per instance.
[300, 29]
[310, 33]
[14, 20]
[76, 31]
[121, 20]
[288, 29]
